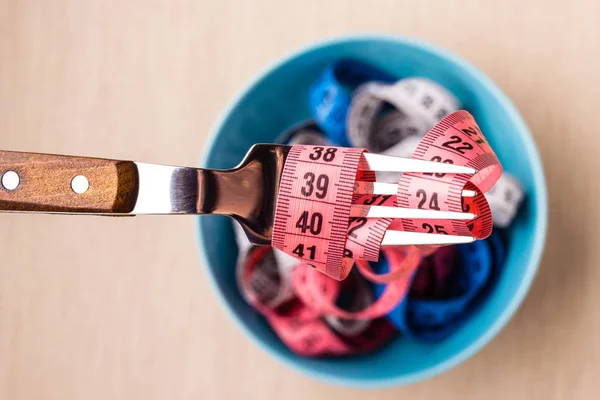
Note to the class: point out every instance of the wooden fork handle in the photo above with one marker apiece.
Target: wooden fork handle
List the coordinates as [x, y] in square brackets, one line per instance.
[45, 184]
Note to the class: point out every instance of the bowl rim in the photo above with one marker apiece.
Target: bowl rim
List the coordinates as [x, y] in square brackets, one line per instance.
[539, 185]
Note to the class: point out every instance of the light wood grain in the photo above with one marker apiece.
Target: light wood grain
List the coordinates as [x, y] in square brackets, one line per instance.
[107, 308]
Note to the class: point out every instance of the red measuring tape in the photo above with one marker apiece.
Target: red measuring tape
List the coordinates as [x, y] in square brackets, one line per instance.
[299, 323]
[312, 286]
[313, 219]
[455, 140]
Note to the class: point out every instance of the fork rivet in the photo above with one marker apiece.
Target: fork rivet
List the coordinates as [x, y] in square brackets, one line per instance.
[10, 180]
[80, 184]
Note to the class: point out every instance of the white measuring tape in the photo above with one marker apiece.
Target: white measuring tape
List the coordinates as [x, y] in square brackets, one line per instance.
[420, 98]
[309, 137]
[392, 119]
[362, 298]
[504, 199]
[272, 278]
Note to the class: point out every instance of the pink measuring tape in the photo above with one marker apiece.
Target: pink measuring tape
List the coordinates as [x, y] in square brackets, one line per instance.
[310, 285]
[300, 324]
[320, 217]
[455, 140]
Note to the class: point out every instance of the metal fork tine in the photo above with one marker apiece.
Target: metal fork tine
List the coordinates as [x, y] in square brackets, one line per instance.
[401, 238]
[399, 212]
[392, 188]
[378, 162]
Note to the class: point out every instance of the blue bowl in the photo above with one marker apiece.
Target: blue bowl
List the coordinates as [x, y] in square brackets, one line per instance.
[278, 99]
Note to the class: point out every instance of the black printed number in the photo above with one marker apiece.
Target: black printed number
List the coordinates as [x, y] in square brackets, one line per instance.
[433, 201]
[322, 184]
[360, 222]
[465, 207]
[382, 199]
[474, 132]
[312, 223]
[437, 228]
[318, 152]
[329, 154]
[299, 251]
[438, 159]
[456, 143]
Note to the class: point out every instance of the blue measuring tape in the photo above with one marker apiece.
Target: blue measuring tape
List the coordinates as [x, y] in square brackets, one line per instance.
[331, 94]
[498, 246]
[433, 320]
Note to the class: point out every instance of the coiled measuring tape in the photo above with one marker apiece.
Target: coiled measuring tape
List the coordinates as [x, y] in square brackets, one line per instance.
[395, 129]
[355, 295]
[505, 198]
[434, 319]
[309, 286]
[366, 128]
[331, 94]
[421, 98]
[431, 279]
[417, 104]
[473, 271]
[317, 194]
[391, 119]
[303, 328]
[271, 280]
[307, 132]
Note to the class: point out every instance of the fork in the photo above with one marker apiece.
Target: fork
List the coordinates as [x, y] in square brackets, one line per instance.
[47, 183]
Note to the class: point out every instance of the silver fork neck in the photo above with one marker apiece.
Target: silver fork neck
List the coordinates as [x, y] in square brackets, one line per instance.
[159, 186]
[175, 190]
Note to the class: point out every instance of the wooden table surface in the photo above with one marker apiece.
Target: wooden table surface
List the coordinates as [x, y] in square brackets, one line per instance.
[110, 308]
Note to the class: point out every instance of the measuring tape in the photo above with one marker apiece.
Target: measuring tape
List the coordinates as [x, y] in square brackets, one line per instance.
[432, 320]
[498, 250]
[355, 295]
[420, 98]
[474, 270]
[331, 94]
[417, 104]
[307, 132]
[435, 318]
[392, 119]
[504, 199]
[271, 281]
[304, 329]
[371, 126]
[431, 279]
[362, 297]
[309, 286]
[312, 215]
[455, 140]
[394, 128]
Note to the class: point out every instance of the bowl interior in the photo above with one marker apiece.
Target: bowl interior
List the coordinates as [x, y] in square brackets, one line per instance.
[280, 98]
